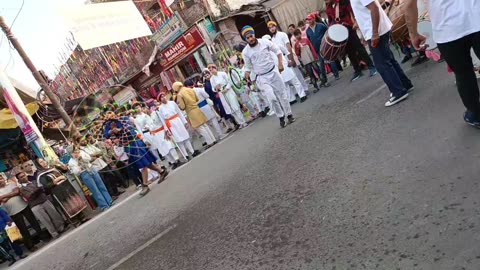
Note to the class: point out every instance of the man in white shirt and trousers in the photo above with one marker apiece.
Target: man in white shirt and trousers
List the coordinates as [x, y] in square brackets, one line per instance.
[258, 59]
[205, 104]
[221, 83]
[298, 82]
[456, 30]
[376, 28]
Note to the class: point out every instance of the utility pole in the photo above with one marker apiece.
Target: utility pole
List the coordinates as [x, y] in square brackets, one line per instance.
[38, 77]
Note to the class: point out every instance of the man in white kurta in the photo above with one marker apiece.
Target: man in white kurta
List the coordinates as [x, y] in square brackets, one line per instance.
[221, 83]
[206, 107]
[174, 121]
[157, 135]
[141, 121]
[288, 76]
[280, 39]
[258, 59]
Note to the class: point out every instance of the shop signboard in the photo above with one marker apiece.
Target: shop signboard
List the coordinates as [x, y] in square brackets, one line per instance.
[183, 46]
[169, 31]
[209, 28]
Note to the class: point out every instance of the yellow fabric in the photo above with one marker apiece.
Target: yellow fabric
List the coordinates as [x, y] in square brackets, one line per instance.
[7, 120]
[187, 100]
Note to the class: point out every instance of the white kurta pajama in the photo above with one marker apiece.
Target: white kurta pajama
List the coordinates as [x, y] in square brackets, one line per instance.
[228, 98]
[142, 122]
[207, 109]
[280, 39]
[174, 120]
[157, 134]
[259, 60]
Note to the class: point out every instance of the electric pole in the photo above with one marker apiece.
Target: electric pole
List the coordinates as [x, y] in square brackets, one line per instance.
[38, 77]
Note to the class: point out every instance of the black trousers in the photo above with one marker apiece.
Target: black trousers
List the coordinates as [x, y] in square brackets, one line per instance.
[356, 51]
[20, 222]
[458, 57]
[310, 67]
[109, 179]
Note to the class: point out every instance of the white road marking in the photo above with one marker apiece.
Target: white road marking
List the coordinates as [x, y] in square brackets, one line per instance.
[371, 94]
[142, 247]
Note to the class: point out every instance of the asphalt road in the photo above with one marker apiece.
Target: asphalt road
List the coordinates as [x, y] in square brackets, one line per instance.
[350, 185]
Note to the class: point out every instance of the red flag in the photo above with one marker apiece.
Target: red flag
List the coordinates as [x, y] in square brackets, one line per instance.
[165, 9]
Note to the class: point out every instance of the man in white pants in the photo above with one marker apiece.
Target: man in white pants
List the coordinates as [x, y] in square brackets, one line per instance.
[174, 124]
[288, 76]
[203, 104]
[222, 84]
[258, 59]
[280, 39]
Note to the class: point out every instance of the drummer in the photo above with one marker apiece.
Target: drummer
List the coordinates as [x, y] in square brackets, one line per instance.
[315, 33]
[378, 37]
[354, 45]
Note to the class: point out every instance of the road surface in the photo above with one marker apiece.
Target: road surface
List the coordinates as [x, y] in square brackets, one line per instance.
[350, 185]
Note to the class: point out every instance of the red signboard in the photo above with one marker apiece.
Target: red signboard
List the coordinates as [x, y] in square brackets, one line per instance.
[184, 45]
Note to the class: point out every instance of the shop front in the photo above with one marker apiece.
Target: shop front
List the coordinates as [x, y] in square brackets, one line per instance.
[186, 57]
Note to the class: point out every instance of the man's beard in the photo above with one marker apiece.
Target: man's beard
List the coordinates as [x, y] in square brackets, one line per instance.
[254, 44]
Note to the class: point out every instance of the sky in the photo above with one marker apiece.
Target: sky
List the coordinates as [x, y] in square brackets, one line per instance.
[40, 29]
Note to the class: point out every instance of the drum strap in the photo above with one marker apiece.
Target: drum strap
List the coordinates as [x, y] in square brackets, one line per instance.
[337, 11]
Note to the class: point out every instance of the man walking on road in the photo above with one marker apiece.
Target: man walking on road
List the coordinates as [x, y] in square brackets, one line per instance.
[456, 30]
[375, 26]
[258, 59]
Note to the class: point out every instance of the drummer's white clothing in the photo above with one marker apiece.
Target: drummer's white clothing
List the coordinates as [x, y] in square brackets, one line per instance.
[364, 19]
[258, 59]
[228, 98]
[453, 19]
[208, 110]
[281, 40]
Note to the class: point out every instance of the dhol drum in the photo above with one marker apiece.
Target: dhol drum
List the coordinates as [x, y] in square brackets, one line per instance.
[334, 42]
[396, 14]
[425, 29]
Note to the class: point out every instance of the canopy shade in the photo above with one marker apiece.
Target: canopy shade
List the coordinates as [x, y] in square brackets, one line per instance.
[7, 120]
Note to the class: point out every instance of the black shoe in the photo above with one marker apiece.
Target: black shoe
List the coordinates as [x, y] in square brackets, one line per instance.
[302, 99]
[229, 130]
[293, 102]
[406, 58]
[282, 122]
[196, 153]
[356, 76]
[317, 88]
[291, 119]
[471, 119]
[177, 164]
[396, 99]
[419, 60]
[262, 114]
[204, 144]
[12, 262]
[324, 84]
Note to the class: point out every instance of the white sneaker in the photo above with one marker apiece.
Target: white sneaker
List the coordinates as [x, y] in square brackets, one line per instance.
[394, 100]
